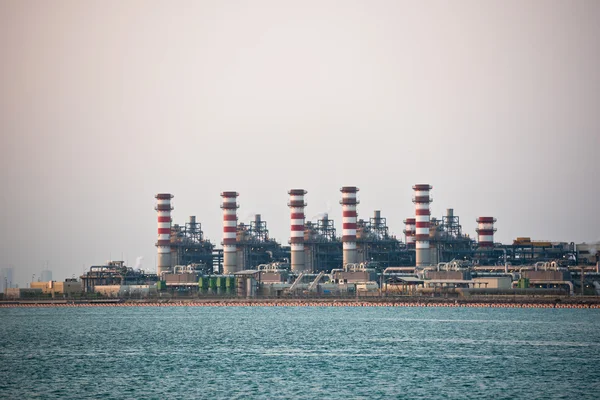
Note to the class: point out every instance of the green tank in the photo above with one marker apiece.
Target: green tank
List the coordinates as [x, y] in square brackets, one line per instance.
[523, 283]
[221, 281]
[229, 285]
[212, 282]
[203, 283]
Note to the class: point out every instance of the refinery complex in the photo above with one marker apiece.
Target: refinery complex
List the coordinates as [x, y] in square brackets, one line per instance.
[434, 258]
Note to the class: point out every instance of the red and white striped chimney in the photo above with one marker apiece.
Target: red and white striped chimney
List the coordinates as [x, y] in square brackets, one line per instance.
[297, 205]
[485, 231]
[422, 215]
[229, 206]
[409, 232]
[349, 202]
[163, 209]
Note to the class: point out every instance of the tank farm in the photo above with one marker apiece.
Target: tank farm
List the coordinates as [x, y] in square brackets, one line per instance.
[434, 263]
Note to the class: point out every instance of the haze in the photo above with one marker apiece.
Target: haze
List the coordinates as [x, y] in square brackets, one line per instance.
[105, 103]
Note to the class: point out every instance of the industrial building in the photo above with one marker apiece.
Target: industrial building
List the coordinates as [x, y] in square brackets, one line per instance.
[189, 247]
[22, 293]
[68, 288]
[315, 246]
[116, 273]
[435, 256]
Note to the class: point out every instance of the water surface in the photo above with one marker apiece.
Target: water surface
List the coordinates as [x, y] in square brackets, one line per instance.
[299, 352]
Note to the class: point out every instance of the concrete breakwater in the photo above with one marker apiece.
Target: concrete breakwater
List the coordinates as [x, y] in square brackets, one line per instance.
[305, 303]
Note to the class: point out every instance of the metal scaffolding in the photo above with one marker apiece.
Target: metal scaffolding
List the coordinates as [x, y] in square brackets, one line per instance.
[255, 247]
[189, 247]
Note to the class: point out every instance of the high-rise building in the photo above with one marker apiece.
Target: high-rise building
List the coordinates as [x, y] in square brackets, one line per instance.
[46, 275]
[6, 278]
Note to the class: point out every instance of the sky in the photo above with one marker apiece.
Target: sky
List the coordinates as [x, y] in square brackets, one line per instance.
[103, 104]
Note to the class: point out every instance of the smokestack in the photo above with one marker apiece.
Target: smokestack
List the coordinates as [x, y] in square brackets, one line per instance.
[485, 231]
[163, 209]
[409, 232]
[377, 218]
[229, 206]
[449, 217]
[349, 215]
[422, 214]
[297, 205]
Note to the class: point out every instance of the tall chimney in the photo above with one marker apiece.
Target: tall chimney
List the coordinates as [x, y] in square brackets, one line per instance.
[409, 231]
[229, 206]
[485, 231]
[422, 215]
[297, 205]
[349, 215]
[163, 209]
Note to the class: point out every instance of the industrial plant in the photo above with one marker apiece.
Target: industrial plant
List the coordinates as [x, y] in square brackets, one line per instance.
[434, 258]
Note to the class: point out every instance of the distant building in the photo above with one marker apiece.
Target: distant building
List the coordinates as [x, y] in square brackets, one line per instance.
[68, 288]
[22, 293]
[6, 279]
[126, 290]
[46, 276]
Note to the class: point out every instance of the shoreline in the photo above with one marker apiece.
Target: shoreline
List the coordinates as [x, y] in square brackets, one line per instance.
[378, 302]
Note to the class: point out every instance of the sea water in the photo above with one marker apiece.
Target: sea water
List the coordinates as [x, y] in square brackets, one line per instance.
[299, 352]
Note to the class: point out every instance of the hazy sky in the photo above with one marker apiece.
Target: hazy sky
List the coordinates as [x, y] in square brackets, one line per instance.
[105, 103]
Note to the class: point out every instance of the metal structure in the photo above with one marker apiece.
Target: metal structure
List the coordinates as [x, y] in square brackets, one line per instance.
[451, 223]
[349, 216]
[323, 249]
[526, 251]
[315, 247]
[114, 273]
[446, 240]
[377, 247]
[422, 215]
[229, 206]
[255, 247]
[189, 247]
[297, 205]
[163, 209]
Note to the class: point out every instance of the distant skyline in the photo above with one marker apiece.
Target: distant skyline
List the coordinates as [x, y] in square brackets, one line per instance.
[103, 104]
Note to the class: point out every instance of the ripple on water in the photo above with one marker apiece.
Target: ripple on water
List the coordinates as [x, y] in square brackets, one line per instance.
[266, 352]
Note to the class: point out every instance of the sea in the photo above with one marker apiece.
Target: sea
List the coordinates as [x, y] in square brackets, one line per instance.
[299, 353]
